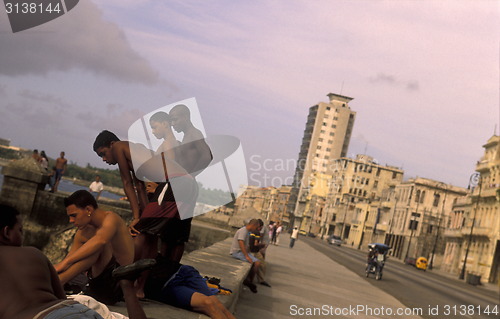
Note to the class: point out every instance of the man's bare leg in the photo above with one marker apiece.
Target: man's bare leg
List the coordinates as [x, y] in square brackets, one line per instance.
[222, 308]
[207, 305]
[146, 247]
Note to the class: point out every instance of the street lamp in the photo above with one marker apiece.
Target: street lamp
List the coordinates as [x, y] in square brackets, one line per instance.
[474, 180]
[439, 225]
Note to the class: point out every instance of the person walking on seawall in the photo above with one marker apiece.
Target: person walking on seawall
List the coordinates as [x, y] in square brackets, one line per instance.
[294, 236]
[61, 165]
[96, 187]
[278, 232]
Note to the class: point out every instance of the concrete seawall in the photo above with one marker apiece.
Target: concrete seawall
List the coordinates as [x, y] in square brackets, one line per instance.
[212, 261]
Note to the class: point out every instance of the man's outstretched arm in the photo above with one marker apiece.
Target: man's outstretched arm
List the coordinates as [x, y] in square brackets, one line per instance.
[93, 245]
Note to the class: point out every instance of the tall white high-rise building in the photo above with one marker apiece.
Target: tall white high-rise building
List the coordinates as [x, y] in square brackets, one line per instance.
[326, 138]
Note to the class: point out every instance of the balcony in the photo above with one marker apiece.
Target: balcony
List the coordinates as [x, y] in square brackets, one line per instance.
[454, 233]
[477, 231]
[482, 166]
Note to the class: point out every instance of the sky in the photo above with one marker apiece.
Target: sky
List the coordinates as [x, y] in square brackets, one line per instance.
[424, 76]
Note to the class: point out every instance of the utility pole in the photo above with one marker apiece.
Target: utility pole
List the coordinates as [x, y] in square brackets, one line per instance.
[474, 180]
[431, 264]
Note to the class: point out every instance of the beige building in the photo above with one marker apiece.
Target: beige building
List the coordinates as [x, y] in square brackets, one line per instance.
[269, 202]
[326, 137]
[473, 234]
[421, 209]
[356, 185]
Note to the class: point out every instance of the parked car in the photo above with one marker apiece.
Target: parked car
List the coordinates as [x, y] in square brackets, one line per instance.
[335, 240]
[303, 232]
[410, 261]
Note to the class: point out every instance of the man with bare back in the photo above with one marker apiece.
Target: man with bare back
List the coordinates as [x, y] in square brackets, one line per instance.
[61, 165]
[101, 244]
[29, 284]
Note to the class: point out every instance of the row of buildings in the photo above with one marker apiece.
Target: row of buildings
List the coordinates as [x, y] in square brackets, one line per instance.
[361, 201]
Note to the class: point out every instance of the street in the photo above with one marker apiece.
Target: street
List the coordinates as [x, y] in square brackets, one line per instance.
[416, 288]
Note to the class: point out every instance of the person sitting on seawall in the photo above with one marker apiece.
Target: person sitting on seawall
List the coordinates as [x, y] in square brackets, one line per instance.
[30, 286]
[101, 244]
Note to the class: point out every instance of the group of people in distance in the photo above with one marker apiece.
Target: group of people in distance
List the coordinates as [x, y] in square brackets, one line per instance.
[112, 253]
[57, 171]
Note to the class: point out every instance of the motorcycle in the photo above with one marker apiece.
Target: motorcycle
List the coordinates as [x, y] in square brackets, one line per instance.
[376, 262]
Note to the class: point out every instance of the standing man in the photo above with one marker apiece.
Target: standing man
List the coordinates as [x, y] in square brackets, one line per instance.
[96, 187]
[240, 250]
[294, 236]
[61, 165]
[194, 155]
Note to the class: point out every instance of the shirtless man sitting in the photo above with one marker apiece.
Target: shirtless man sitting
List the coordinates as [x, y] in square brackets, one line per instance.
[101, 244]
[29, 284]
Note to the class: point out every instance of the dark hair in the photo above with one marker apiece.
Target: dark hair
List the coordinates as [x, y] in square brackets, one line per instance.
[253, 222]
[159, 117]
[80, 199]
[104, 139]
[181, 108]
[261, 222]
[8, 216]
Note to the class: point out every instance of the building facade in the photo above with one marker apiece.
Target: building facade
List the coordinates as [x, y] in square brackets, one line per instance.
[326, 137]
[421, 211]
[356, 185]
[473, 235]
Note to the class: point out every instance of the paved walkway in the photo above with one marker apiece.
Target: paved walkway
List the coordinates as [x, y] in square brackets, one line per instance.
[303, 279]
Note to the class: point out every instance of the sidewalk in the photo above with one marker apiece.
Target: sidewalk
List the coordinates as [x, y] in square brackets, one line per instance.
[303, 279]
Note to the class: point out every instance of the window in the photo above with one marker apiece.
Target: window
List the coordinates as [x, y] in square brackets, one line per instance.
[413, 225]
[335, 118]
[332, 134]
[328, 108]
[417, 197]
[320, 139]
[378, 171]
[436, 200]
[326, 116]
[394, 175]
[375, 184]
[322, 131]
[328, 149]
[318, 148]
[330, 142]
[334, 126]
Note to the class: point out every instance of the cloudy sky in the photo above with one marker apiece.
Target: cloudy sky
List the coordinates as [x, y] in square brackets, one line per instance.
[424, 76]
